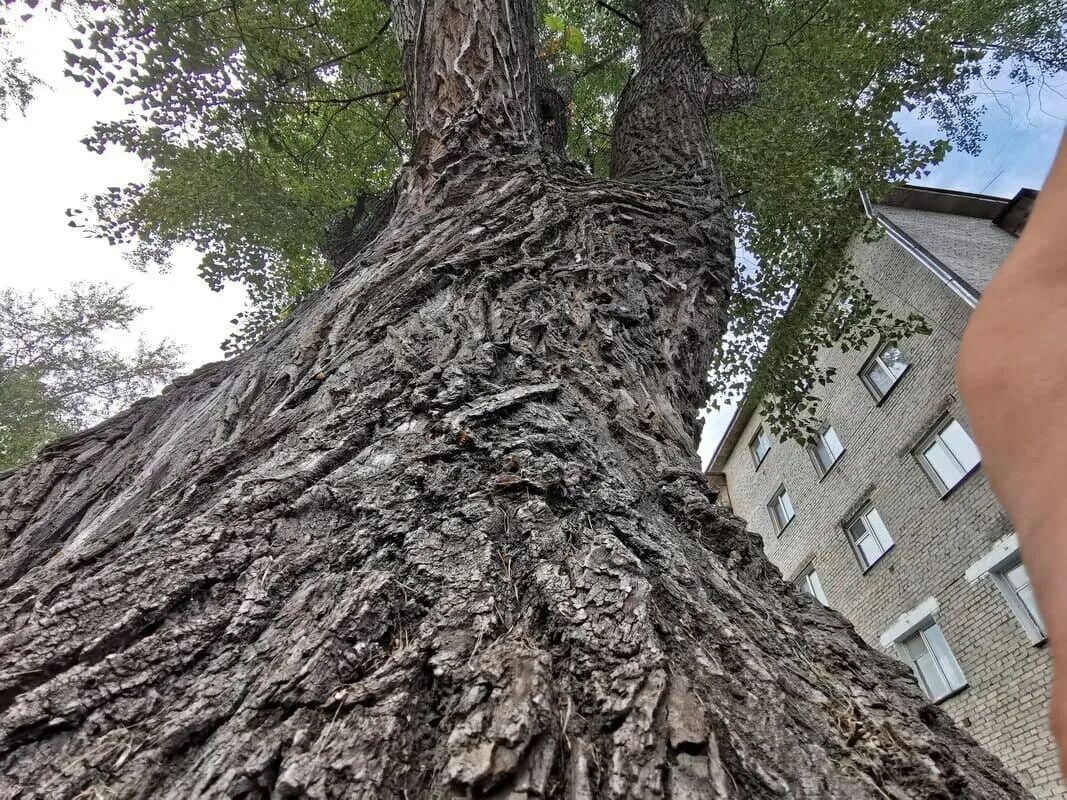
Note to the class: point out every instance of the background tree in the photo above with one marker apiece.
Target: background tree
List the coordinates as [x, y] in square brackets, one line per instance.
[57, 374]
[442, 533]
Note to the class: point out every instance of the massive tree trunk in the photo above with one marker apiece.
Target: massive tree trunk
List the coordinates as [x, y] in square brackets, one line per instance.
[443, 534]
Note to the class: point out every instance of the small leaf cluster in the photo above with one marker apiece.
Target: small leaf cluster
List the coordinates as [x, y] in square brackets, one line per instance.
[17, 85]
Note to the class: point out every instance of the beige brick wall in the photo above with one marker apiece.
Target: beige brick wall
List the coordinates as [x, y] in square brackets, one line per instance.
[969, 246]
[1005, 705]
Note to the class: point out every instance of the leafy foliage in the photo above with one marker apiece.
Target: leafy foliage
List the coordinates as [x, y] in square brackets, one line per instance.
[833, 76]
[56, 373]
[16, 84]
[265, 121]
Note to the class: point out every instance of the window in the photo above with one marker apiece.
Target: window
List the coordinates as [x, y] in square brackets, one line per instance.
[948, 455]
[1003, 565]
[781, 510]
[1014, 584]
[870, 537]
[884, 369]
[826, 451]
[809, 582]
[936, 668]
[759, 446]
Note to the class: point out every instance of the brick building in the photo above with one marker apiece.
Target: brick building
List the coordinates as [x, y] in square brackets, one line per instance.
[891, 520]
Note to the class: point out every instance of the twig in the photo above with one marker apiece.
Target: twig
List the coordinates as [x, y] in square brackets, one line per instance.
[620, 14]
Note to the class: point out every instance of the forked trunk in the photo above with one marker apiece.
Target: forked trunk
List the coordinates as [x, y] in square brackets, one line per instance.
[443, 533]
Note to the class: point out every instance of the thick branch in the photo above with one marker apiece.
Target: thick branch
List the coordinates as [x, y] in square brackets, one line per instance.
[730, 92]
[469, 65]
[551, 107]
[661, 130]
[352, 231]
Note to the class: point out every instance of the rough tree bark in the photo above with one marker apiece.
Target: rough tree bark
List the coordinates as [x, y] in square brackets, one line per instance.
[443, 533]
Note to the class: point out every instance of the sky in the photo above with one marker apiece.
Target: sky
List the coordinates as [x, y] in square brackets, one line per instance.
[44, 170]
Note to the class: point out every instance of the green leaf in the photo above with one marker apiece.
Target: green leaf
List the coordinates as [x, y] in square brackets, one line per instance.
[573, 40]
[555, 23]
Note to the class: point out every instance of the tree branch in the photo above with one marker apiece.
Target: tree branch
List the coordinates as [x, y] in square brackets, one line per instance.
[810, 19]
[337, 59]
[730, 92]
[618, 13]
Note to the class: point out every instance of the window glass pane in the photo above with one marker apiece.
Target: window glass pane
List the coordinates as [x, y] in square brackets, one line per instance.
[915, 647]
[759, 446]
[823, 457]
[894, 361]
[1017, 577]
[1030, 601]
[878, 528]
[1019, 581]
[961, 445]
[930, 677]
[781, 509]
[787, 506]
[815, 588]
[881, 380]
[935, 640]
[858, 530]
[833, 444]
[942, 462]
[869, 549]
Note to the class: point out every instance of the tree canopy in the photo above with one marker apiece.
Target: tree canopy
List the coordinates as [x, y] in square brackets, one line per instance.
[57, 374]
[268, 123]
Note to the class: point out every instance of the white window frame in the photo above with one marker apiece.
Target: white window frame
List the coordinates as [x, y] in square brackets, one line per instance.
[774, 506]
[822, 470]
[876, 358]
[758, 436]
[804, 583]
[865, 514]
[917, 623]
[994, 565]
[936, 436]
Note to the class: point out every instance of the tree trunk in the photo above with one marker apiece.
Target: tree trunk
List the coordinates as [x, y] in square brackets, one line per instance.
[443, 533]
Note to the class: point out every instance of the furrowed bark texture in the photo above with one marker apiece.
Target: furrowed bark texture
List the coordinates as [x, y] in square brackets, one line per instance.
[443, 535]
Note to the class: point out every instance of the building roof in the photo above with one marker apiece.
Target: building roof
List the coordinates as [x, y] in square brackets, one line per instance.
[945, 201]
[1009, 214]
[1017, 213]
